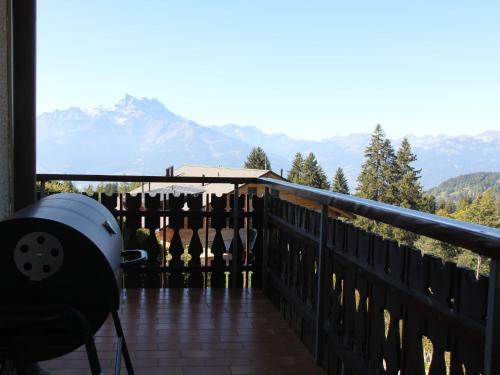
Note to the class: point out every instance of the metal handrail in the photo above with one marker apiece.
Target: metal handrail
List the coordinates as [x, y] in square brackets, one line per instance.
[480, 239]
[43, 177]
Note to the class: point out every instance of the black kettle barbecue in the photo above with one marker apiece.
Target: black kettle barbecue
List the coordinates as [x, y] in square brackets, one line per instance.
[60, 260]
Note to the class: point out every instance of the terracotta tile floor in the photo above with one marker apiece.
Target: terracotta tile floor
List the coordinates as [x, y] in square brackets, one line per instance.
[196, 331]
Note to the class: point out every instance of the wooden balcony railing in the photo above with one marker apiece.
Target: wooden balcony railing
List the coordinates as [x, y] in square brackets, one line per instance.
[362, 304]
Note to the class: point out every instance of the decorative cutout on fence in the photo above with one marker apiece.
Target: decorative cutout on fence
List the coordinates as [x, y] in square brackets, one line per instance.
[189, 238]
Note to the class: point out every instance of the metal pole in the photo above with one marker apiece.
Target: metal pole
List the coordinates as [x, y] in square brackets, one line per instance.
[124, 348]
[321, 283]
[492, 340]
[24, 101]
[236, 257]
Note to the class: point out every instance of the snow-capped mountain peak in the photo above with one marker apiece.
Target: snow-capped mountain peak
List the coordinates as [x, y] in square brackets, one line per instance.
[130, 105]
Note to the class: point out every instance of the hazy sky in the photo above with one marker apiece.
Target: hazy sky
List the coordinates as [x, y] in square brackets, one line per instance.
[307, 68]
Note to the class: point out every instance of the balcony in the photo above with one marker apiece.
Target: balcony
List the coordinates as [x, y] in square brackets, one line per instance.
[295, 285]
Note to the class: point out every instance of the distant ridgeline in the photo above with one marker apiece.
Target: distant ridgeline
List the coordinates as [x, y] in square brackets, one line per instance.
[467, 186]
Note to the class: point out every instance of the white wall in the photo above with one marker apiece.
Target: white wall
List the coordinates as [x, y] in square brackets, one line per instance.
[5, 124]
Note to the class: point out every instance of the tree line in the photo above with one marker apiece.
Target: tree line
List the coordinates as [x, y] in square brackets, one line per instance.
[103, 187]
[304, 171]
[389, 176]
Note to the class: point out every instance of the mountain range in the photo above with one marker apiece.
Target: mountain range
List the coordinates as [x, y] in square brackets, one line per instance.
[141, 136]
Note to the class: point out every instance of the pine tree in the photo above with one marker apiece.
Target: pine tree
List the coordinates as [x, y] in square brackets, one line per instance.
[107, 188]
[313, 174]
[60, 187]
[89, 190]
[257, 159]
[428, 203]
[378, 173]
[409, 191]
[339, 184]
[295, 174]
[377, 179]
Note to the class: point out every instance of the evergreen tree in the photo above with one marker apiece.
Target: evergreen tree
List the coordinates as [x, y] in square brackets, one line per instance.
[379, 172]
[313, 174]
[257, 159]
[60, 187]
[428, 203]
[126, 187]
[89, 190]
[408, 189]
[340, 182]
[107, 188]
[377, 179]
[295, 174]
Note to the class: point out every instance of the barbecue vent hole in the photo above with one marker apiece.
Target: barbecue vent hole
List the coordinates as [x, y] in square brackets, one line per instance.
[40, 239]
[27, 266]
[24, 248]
[54, 252]
[46, 268]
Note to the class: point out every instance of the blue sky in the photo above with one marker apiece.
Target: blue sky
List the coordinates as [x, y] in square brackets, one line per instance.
[311, 69]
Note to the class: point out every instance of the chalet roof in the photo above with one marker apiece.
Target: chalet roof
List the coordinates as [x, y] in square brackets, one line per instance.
[207, 171]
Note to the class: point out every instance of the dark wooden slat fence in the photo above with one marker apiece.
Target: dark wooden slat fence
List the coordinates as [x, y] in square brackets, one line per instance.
[380, 300]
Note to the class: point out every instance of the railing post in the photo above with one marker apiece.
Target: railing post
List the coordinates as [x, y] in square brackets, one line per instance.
[265, 242]
[321, 283]
[236, 251]
[492, 340]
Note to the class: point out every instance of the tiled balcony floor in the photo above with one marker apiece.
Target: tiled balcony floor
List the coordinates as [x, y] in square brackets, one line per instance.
[196, 331]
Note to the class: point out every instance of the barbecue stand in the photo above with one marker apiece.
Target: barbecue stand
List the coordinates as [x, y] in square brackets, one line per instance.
[59, 263]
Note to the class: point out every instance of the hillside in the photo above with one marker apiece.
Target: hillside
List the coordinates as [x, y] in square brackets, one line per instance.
[467, 185]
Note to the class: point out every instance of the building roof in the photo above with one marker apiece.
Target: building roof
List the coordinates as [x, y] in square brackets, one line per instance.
[207, 171]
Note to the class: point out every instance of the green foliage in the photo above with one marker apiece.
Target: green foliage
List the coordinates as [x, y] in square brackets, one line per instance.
[89, 190]
[60, 187]
[408, 189]
[308, 172]
[390, 178]
[467, 186]
[111, 187]
[107, 188]
[312, 173]
[378, 173]
[428, 203]
[485, 210]
[142, 235]
[257, 159]
[339, 184]
[295, 174]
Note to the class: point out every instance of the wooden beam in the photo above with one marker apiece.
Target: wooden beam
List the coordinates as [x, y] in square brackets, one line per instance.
[24, 101]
